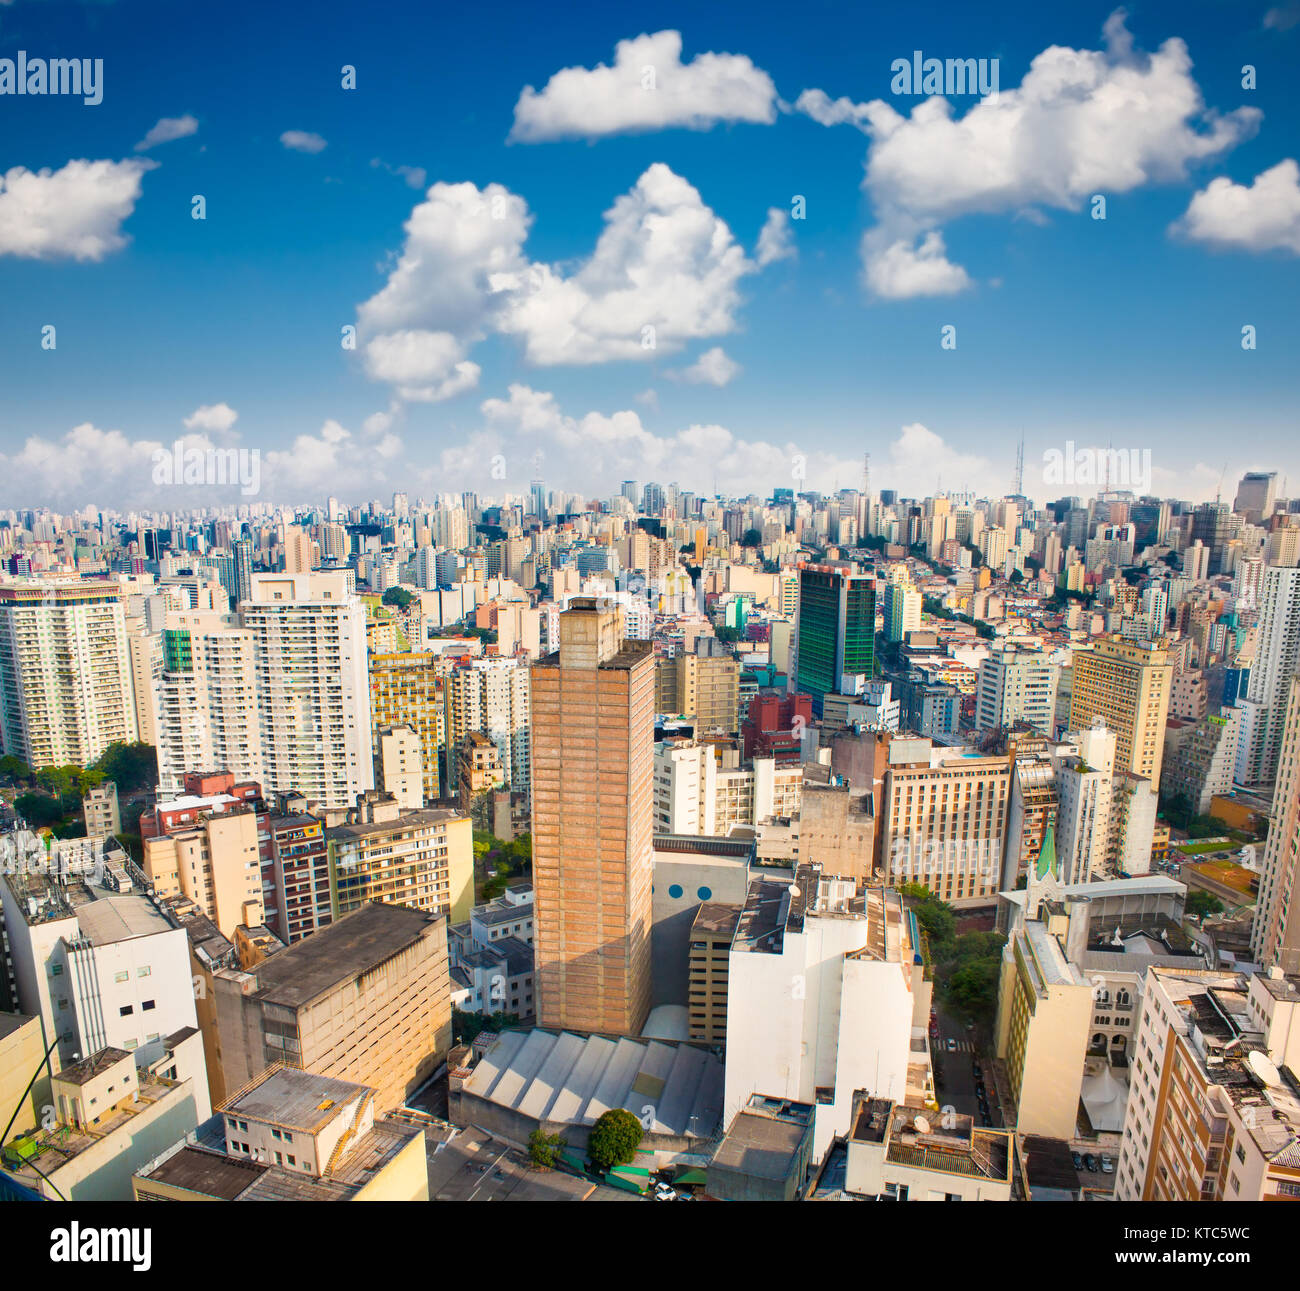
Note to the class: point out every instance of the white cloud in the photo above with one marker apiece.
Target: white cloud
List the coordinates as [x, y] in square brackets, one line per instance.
[775, 239]
[714, 367]
[218, 417]
[1081, 122]
[647, 88]
[167, 129]
[599, 450]
[664, 271]
[832, 112]
[1264, 216]
[900, 269]
[303, 141]
[648, 399]
[920, 462]
[76, 212]
[415, 176]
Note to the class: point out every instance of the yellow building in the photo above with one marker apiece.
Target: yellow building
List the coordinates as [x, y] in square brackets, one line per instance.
[405, 689]
[22, 1056]
[216, 864]
[1127, 684]
[423, 859]
[293, 1136]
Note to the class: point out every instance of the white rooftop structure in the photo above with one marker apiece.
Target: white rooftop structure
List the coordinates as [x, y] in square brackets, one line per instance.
[563, 1077]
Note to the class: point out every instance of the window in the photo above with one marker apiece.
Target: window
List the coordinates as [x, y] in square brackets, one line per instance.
[121, 977]
[56, 970]
[291, 1160]
[125, 1011]
[143, 971]
[147, 1005]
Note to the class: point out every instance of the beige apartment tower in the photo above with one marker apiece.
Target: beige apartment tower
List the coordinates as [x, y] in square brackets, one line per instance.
[592, 781]
[1127, 684]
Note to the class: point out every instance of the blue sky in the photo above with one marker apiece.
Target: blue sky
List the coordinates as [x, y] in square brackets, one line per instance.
[1125, 331]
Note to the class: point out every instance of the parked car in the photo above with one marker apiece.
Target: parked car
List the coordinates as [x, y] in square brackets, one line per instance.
[952, 1045]
[1107, 1165]
[1090, 1163]
[1077, 1159]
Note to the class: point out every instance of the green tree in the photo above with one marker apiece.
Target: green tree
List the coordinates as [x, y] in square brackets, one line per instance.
[544, 1149]
[614, 1139]
[132, 767]
[39, 810]
[752, 538]
[1202, 904]
[727, 633]
[398, 596]
[14, 768]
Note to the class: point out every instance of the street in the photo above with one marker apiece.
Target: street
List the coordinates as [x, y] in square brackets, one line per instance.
[955, 1084]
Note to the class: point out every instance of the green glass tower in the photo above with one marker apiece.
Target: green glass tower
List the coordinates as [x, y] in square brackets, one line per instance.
[837, 630]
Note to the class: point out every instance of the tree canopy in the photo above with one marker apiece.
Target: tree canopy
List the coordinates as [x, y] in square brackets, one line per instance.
[614, 1139]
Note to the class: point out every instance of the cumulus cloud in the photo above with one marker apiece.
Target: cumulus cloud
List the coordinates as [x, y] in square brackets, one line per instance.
[665, 271]
[302, 141]
[218, 417]
[775, 239]
[1283, 17]
[1262, 216]
[647, 88]
[167, 129]
[832, 112]
[714, 367]
[598, 450]
[426, 367]
[920, 461]
[899, 268]
[74, 213]
[1081, 122]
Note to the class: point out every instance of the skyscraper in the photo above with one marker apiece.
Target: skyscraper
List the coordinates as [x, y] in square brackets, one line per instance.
[65, 672]
[837, 627]
[1017, 684]
[592, 779]
[1277, 657]
[314, 705]
[1126, 684]
[1255, 495]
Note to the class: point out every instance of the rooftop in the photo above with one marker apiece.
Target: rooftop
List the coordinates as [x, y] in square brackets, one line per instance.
[353, 945]
[765, 1138]
[83, 1072]
[291, 1097]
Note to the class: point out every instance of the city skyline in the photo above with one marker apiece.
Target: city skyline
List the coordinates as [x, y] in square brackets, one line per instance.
[796, 227]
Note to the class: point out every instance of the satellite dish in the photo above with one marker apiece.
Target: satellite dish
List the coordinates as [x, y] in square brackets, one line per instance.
[794, 889]
[922, 1125]
[1263, 1067]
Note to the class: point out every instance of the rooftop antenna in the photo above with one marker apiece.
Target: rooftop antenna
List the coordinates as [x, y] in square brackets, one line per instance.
[1018, 479]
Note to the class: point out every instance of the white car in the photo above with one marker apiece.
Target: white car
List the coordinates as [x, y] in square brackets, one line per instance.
[1107, 1165]
[952, 1045]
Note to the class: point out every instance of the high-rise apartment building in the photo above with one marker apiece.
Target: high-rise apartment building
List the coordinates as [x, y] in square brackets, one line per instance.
[399, 766]
[1127, 685]
[423, 859]
[1277, 657]
[945, 819]
[309, 636]
[902, 604]
[491, 696]
[65, 672]
[207, 700]
[1275, 933]
[835, 646]
[592, 774]
[703, 685]
[407, 689]
[1210, 1116]
[1016, 684]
